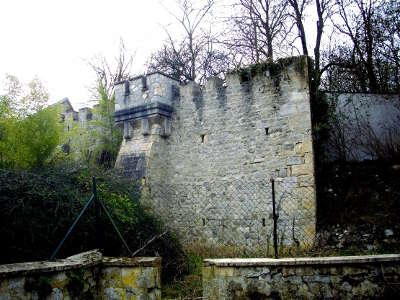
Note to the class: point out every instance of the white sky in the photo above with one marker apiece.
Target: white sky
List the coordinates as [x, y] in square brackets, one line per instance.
[52, 39]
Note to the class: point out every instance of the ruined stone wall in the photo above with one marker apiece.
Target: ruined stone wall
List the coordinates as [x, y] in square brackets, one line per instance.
[84, 276]
[207, 166]
[353, 277]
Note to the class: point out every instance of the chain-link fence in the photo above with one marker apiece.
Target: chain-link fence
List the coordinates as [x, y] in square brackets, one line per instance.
[295, 213]
[236, 216]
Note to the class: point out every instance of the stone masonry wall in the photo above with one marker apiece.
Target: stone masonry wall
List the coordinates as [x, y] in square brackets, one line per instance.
[127, 278]
[356, 277]
[84, 276]
[207, 166]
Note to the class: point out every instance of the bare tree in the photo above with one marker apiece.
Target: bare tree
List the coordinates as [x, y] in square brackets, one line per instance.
[175, 59]
[257, 28]
[368, 60]
[190, 19]
[297, 14]
[357, 23]
[324, 11]
[388, 36]
[195, 55]
[108, 73]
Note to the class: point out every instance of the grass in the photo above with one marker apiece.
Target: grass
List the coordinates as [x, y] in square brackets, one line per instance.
[190, 286]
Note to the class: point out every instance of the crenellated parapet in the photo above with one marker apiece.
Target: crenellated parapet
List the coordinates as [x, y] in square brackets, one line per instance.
[206, 154]
[148, 98]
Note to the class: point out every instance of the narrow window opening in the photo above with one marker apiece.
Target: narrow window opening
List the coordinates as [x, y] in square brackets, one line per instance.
[203, 138]
[204, 222]
[263, 222]
[144, 83]
[266, 130]
[126, 88]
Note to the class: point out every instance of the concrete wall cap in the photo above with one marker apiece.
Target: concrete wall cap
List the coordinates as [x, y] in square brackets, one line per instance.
[132, 262]
[85, 259]
[335, 260]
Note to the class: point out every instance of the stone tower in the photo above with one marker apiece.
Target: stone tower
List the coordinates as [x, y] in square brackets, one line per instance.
[206, 153]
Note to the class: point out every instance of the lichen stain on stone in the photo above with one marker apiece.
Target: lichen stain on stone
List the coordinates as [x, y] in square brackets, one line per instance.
[112, 277]
[59, 281]
[129, 277]
[208, 273]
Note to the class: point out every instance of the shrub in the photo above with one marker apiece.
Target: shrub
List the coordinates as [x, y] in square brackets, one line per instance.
[38, 208]
[27, 143]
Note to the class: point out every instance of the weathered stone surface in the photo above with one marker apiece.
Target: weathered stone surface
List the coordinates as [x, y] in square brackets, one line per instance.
[355, 277]
[101, 278]
[208, 164]
[355, 115]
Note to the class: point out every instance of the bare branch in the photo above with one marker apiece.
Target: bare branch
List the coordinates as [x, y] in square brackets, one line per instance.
[149, 242]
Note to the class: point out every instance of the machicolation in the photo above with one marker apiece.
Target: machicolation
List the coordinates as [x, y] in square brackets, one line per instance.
[206, 154]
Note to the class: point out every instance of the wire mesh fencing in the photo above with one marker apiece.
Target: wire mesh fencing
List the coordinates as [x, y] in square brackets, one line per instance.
[236, 217]
[295, 213]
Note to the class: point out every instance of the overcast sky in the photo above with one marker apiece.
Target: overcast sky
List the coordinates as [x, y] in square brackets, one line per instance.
[52, 39]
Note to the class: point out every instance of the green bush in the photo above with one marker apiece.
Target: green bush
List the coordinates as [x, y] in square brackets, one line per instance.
[26, 143]
[38, 208]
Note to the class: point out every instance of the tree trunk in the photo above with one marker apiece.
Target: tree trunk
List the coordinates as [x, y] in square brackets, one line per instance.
[300, 26]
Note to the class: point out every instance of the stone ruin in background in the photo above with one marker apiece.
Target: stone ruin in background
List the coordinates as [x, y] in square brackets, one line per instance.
[206, 154]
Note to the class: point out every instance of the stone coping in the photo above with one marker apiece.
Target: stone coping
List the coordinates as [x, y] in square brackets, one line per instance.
[132, 262]
[302, 261]
[85, 259]
[146, 75]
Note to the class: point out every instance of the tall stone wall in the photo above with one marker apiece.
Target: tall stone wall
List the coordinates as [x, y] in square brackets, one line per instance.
[207, 154]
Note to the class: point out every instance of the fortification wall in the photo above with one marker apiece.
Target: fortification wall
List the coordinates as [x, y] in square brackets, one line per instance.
[207, 166]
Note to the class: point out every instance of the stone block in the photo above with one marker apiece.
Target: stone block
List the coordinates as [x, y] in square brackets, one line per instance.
[114, 294]
[221, 140]
[208, 273]
[129, 276]
[287, 109]
[145, 127]
[224, 272]
[304, 169]
[294, 160]
[166, 124]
